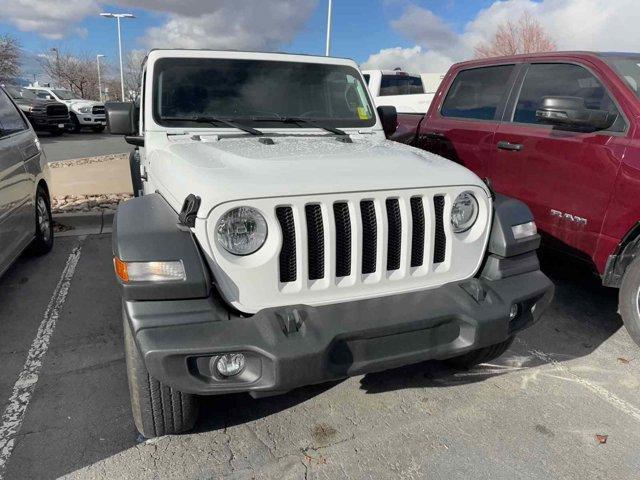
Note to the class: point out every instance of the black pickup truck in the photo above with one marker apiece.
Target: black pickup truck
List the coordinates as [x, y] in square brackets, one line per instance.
[44, 115]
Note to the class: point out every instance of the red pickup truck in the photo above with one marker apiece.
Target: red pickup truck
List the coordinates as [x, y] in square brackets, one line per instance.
[561, 132]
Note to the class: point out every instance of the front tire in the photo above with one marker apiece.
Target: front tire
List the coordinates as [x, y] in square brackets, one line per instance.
[75, 124]
[481, 355]
[43, 242]
[629, 300]
[157, 408]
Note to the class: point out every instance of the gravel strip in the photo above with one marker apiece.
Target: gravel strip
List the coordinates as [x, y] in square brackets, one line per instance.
[88, 203]
[85, 161]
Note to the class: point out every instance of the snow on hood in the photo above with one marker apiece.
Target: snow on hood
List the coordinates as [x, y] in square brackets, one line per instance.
[241, 167]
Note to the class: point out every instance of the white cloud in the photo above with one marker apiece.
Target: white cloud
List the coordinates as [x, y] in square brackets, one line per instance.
[573, 24]
[414, 60]
[224, 24]
[52, 19]
[241, 24]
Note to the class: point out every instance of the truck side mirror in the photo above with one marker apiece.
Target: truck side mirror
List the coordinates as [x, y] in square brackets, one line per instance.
[122, 119]
[572, 112]
[389, 119]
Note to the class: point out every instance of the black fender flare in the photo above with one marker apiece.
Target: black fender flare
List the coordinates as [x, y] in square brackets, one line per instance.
[146, 229]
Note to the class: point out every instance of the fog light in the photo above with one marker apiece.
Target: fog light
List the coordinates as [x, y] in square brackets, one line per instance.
[513, 312]
[230, 364]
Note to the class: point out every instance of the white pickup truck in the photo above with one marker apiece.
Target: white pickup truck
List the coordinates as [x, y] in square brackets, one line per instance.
[279, 240]
[82, 112]
[409, 93]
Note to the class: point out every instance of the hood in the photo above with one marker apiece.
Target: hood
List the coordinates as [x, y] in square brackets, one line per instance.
[25, 103]
[223, 169]
[79, 103]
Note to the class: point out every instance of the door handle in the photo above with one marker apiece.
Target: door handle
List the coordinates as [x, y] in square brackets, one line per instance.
[435, 135]
[513, 147]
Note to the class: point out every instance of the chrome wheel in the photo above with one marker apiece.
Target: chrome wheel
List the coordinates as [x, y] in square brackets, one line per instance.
[44, 220]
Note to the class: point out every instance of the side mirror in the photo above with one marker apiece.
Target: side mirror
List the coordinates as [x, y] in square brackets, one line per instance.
[571, 112]
[122, 119]
[389, 119]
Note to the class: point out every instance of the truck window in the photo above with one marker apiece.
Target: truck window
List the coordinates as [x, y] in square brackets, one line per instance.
[627, 68]
[367, 77]
[400, 85]
[566, 80]
[477, 92]
[10, 119]
[242, 89]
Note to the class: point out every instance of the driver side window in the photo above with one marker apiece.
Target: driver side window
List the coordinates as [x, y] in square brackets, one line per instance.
[562, 80]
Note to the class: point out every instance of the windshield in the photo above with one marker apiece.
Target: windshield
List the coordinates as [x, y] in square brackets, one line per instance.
[400, 84]
[64, 94]
[628, 68]
[17, 93]
[252, 91]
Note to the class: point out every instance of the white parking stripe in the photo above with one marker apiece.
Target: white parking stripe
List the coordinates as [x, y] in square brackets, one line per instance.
[23, 388]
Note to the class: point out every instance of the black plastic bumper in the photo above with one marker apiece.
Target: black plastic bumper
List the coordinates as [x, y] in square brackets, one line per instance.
[288, 347]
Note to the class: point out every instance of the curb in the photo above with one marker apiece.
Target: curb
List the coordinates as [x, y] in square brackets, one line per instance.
[72, 224]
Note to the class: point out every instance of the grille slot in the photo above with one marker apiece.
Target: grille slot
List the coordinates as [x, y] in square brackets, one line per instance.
[98, 110]
[440, 239]
[343, 239]
[315, 241]
[417, 236]
[369, 236]
[57, 110]
[394, 239]
[288, 252]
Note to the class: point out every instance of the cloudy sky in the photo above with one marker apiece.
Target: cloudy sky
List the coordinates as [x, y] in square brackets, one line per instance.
[418, 35]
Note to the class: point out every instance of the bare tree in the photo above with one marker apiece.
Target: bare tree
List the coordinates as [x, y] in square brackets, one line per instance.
[78, 73]
[9, 57]
[525, 36]
[133, 72]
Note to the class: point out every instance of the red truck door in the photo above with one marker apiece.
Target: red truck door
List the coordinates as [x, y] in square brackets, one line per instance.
[565, 176]
[460, 126]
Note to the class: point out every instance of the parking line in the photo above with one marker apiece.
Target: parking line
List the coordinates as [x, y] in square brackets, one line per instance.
[25, 384]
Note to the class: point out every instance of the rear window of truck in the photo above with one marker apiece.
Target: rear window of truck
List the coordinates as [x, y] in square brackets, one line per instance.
[477, 92]
[400, 85]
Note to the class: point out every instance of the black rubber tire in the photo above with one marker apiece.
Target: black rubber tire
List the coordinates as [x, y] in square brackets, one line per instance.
[629, 300]
[98, 128]
[481, 355]
[157, 409]
[43, 241]
[75, 124]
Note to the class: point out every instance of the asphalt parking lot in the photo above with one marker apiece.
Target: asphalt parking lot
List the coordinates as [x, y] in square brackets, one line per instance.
[534, 413]
[80, 145]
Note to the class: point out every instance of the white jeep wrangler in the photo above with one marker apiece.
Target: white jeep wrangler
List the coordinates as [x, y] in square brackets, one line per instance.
[279, 240]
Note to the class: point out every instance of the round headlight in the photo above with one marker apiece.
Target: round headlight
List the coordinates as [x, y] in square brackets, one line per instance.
[464, 212]
[241, 231]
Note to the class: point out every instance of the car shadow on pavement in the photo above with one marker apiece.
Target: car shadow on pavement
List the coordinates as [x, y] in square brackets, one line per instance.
[581, 317]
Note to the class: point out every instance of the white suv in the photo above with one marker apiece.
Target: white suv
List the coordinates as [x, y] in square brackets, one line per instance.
[279, 240]
[82, 113]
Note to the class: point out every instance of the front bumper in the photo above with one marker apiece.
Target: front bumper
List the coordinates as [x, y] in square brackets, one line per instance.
[49, 122]
[288, 347]
[90, 119]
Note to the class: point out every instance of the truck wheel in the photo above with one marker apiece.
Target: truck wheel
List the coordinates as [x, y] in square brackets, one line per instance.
[482, 355]
[157, 409]
[75, 124]
[629, 300]
[43, 242]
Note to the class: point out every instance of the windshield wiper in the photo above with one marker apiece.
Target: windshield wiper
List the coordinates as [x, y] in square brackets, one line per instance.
[214, 120]
[299, 120]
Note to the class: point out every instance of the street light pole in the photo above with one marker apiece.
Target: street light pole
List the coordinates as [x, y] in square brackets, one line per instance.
[328, 47]
[118, 16]
[99, 82]
[54, 49]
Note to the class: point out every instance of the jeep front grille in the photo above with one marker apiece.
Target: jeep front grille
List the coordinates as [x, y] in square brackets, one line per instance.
[329, 248]
[391, 227]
